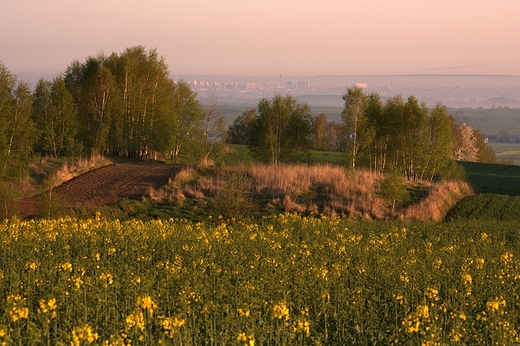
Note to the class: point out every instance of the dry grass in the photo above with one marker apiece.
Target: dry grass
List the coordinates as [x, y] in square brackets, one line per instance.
[442, 197]
[319, 189]
[72, 169]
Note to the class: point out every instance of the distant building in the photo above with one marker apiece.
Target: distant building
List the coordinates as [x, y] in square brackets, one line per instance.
[304, 85]
[361, 85]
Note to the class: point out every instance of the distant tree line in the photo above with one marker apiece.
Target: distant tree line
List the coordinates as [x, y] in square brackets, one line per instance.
[397, 135]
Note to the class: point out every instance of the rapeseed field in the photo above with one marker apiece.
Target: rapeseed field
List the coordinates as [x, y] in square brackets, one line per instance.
[284, 280]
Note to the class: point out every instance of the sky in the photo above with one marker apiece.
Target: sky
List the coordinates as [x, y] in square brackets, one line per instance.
[268, 37]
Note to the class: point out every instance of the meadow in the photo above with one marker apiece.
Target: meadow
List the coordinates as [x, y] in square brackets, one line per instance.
[283, 280]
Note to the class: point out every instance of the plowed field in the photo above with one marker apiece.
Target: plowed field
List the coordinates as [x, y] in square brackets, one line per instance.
[105, 185]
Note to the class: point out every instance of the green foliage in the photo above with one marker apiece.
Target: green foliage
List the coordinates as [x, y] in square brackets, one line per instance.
[281, 131]
[355, 122]
[237, 154]
[322, 141]
[393, 188]
[17, 131]
[235, 200]
[400, 134]
[240, 131]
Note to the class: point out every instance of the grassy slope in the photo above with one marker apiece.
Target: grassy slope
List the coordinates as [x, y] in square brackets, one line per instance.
[499, 193]
[494, 178]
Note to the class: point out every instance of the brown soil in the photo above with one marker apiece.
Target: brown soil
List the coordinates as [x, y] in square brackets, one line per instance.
[104, 186]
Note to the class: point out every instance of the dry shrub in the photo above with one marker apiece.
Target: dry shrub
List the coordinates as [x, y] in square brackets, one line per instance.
[442, 197]
[323, 189]
[290, 206]
[177, 187]
[210, 186]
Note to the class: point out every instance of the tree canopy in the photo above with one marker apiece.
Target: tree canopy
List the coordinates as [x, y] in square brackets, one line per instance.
[281, 131]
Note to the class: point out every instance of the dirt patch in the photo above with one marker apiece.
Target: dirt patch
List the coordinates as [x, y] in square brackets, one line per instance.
[104, 186]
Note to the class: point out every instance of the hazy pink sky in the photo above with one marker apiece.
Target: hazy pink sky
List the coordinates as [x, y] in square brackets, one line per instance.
[268, 37]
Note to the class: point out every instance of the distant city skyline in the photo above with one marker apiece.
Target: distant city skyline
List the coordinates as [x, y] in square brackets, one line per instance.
[268, 37]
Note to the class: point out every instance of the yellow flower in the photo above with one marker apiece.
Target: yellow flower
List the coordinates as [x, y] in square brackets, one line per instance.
[49, 306]
[77, 282]
[19, 313]
[242, 337]
[17, 310]
[281, 311]
[169, 325]
[422, 311]
[467, 279]
[32, 265]
[106, 278]
[83, 334]
[244, 313]
[506, 257]
[494, 305]
[432, 293]
[66, 266]
[135, 319]
[302, 326]
[146, 303]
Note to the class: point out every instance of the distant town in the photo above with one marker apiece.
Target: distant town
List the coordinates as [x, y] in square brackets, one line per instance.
[464, 91]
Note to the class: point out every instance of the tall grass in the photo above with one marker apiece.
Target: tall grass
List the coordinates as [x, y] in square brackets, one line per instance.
[73, 169]
[319, 189]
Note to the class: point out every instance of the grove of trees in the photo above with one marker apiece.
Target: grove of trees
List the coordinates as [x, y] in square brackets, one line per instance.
[396, 135]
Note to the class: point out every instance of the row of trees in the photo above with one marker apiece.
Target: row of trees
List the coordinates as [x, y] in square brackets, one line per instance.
[122, 104]
[398, 135]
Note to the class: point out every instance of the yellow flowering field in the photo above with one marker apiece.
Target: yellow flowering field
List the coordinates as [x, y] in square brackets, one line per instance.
[285, 280]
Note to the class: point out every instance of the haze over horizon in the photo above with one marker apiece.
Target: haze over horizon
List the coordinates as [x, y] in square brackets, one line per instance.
[268, 38]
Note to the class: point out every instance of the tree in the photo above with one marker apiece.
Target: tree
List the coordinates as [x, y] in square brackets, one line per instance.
[413, 137]
[354, 120]
[465, 144]
[100, 104]
[182, 127]
[282, 130]
[240, 131]
[438, 155]
[41, 115]
[63, 119]
[17, 135]
[122, 101]
[379, 130]
[321, 140]
[213, 126]
[485, 153]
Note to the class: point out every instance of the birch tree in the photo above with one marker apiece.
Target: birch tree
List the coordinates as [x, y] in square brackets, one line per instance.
[282, 130]
[354, 120]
